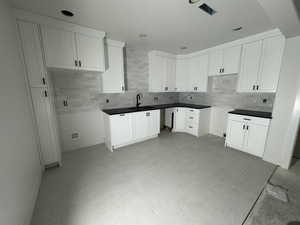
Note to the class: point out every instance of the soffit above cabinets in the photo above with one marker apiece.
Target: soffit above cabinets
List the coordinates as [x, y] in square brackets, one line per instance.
[167, 24]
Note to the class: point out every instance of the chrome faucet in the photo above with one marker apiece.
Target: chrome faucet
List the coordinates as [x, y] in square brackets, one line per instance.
[138, 100]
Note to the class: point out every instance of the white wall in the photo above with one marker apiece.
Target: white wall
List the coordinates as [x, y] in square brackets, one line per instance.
[88, 124]
[20, 170]
[282, 131]
[218, 120]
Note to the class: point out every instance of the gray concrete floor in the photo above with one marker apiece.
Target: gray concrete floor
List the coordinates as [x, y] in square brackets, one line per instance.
[272, 211]
[175, 179]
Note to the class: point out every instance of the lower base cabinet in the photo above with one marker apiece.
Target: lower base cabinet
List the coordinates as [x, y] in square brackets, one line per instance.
[247, 134]
[192, 121]
[129, 128]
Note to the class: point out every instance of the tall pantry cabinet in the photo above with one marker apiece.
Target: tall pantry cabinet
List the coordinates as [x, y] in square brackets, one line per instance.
[41, 93]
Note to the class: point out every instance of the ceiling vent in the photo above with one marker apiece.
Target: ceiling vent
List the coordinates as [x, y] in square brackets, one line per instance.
[207, 9]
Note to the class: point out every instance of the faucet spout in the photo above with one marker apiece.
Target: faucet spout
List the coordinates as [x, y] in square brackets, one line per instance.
[138, 100]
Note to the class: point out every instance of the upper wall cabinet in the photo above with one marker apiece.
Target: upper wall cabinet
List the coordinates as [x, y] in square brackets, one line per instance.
[182, 73]
[261, 63]
[66, 49]
[198, 73]
[33, 54]
[162, 72]
[225, 61]
[113, 78]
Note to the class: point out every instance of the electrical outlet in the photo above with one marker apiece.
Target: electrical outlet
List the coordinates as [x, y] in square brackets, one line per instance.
[107, 100]
[265, 100]
[75, 135]
[224, 135]
[155, 98]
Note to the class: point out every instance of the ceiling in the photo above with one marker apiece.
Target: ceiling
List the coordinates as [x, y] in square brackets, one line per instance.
[169, 24]
[285, 14]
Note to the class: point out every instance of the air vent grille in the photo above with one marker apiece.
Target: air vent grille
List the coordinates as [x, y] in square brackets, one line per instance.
[207, 9]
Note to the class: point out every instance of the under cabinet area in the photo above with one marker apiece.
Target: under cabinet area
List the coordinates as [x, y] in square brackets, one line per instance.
[67, 49]
[247, 133]
[129, 128]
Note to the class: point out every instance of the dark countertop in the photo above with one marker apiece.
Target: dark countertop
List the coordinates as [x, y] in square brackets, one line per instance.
[152, 107]
[243, 112]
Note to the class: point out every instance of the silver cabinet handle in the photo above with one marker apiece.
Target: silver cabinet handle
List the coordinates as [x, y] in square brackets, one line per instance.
[247, 119]
[191, 117]
[122, 114]
[244, 127]
[190, 127]
[148, 114]
[76, 63]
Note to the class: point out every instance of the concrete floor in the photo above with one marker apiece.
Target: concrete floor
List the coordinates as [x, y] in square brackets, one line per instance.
[175, 179]
[270, 210]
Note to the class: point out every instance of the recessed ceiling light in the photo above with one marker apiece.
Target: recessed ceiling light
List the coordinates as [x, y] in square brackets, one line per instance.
[67, 13]
[193, 1]
[183, 48]
[237, 28]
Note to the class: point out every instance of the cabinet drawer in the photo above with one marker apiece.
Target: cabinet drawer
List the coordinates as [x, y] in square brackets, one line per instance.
[249, 119]
[192, 112]
[191, 129]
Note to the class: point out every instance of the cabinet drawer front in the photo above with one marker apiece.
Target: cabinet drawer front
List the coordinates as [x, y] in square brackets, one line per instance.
[249, 119]
[192, 112]
[191, 129]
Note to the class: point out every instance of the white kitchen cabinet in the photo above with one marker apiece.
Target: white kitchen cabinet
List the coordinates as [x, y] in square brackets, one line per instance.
[33, 55]
[47, 126]
[41, 94]
[60, 48]
[225, 61]
[90, 52]
[65, 49]
[247, 133]
[182, 74]
[170, 75]
[261, 63]
[272, 52]
[129, 128]
[251, 58]
[198, 73]
[179, 119]
[162, 72]
[140, 125]
[121, 129]
[113, 78]
[192, 121]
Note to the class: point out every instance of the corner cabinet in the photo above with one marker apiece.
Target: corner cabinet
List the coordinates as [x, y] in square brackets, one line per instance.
[67, 49]
[162, 72]
[247, 134]
[225, 61]
[113, 77]
[129, 128]
[260, 66]
[191, 121]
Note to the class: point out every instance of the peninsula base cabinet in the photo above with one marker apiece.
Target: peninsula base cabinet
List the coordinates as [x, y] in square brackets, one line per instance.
[247, 134]
[129, 128]
[191, 121]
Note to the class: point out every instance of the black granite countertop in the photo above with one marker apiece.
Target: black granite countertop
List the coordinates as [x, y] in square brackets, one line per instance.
[152, 107]
[243, 112]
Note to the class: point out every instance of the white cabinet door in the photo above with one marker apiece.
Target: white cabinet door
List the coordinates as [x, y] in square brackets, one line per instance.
[182, 74]
[113, 78]
[215, 62]
[232, 60]
[255, 139]
[271, 63]
[60, 48]
[235, 134]
[153, 122]
[179, 119]
[157, 71]
[251, 58]
[121, 129]
[48, 142]
[170, 76]
[140, 125]
[90, 52]
[198, 75]
[33, 55]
